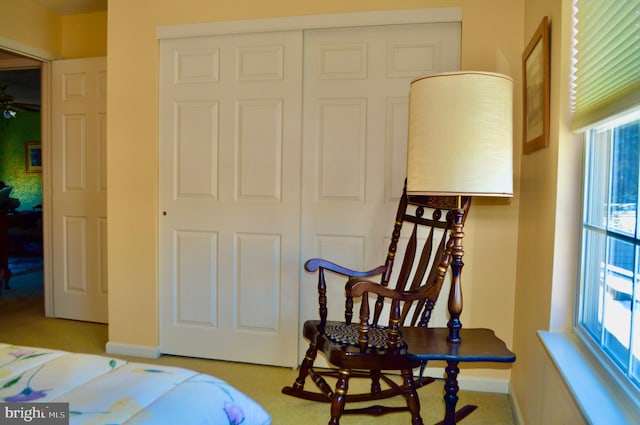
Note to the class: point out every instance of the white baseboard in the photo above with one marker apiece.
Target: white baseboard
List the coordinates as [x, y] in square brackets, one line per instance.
[472, 383]
[469, 383]
[517, 413]
[487, 385]
[133, 350]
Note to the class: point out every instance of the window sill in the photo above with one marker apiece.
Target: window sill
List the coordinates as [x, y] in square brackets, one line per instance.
[595, 392]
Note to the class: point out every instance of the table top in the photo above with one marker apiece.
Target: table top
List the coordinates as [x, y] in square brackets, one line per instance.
[476, 345]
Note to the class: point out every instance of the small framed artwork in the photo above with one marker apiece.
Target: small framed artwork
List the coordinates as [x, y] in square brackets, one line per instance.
[33, 157]
[535, 86]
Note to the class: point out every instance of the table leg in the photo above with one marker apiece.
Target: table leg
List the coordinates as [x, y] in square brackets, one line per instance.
[451, 416]
[451, 392]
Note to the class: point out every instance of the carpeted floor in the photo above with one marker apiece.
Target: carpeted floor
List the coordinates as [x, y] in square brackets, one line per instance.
[23, 323]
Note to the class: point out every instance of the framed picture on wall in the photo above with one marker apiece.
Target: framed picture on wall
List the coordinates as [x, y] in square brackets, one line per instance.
[535, 71]
[33, 157]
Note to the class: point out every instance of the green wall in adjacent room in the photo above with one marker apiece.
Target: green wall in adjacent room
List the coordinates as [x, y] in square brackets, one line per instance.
[14, 133]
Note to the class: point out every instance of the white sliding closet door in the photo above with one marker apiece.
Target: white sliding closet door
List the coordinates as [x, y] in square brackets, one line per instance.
[356, 88]
[276, 147]
[230, 196]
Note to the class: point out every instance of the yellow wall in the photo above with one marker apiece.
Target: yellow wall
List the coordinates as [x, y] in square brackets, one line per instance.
[515, 305]
[30, 24]
[49, 35]
[546, 264]
[84, 35]
[516, 277]
[492, 41]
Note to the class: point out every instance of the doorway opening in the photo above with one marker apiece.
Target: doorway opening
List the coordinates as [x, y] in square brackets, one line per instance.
[21, 230]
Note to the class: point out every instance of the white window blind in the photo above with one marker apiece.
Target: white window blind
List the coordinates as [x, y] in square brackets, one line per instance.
[607, 60]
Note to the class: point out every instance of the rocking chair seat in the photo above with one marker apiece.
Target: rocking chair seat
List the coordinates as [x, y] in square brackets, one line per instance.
[340, 343]
[345, 334]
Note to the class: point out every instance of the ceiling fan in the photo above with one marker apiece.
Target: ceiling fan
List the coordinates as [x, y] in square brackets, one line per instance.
[9, 108]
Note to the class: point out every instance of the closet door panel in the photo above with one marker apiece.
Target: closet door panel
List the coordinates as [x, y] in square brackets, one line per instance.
[230, 196]
[356, 88]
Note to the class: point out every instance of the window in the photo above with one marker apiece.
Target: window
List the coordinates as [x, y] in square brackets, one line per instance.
[609, 299]
[606, 109]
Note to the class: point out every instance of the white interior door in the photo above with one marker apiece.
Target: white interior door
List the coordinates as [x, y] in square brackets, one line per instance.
[356, 88]
[79, 189]
[230, 196]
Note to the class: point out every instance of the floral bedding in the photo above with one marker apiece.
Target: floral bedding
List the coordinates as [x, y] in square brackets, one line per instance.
[103, 390]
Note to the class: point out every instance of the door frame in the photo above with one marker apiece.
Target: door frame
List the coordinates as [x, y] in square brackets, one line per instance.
[47, 211]
[44, 57]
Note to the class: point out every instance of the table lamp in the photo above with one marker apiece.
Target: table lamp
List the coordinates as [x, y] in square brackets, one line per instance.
[460, 144]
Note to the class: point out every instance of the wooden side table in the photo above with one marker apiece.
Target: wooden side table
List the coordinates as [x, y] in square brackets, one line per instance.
[476, 345]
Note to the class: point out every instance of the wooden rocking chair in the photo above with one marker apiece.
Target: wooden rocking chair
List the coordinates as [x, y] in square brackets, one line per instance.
[367, 348]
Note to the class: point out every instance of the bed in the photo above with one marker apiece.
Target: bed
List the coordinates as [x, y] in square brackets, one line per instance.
[105, 390]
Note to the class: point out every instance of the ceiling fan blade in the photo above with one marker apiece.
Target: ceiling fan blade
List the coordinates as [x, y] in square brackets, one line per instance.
[27, 107]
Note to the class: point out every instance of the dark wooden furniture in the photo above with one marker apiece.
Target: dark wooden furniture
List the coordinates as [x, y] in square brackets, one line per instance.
[25, 233]
[20, 235]
[425, 226]
[476, 345]
[5, 272]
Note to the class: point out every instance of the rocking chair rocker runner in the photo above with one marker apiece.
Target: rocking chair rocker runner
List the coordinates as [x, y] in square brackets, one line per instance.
[370, 348]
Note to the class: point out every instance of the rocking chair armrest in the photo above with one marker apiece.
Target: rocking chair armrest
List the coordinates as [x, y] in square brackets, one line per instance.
[356, 287]
[314, 263]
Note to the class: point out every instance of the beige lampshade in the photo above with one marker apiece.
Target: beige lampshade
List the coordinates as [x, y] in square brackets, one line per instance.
[460, 135]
